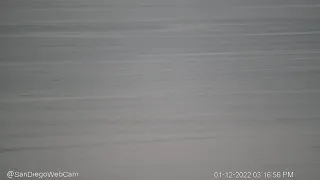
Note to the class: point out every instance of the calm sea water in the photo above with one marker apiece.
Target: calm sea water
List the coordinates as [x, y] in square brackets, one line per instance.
[147, 89]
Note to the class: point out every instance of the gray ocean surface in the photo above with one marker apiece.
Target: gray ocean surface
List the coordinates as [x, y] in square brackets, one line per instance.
[160, 89]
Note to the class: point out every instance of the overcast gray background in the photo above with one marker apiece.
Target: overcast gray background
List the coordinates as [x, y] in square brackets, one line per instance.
[160, 89]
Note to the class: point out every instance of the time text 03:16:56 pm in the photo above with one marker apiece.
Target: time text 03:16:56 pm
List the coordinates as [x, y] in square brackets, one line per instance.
[253, 175]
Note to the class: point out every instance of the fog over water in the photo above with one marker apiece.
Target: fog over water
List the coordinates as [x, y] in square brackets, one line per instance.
[160, 89]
